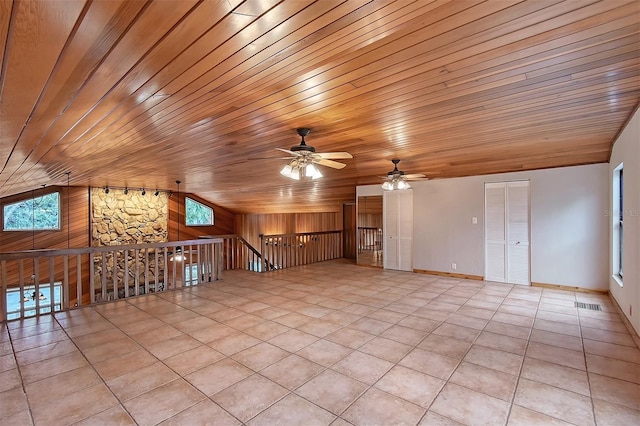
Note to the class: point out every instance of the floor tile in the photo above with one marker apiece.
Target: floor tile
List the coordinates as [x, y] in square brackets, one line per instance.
[485, 380]
[444, 345]
[293, 410]
[557, 327]
[491, 358]
[141, 381]
[457, 332]
[612, 414]
[260, 356]
[508, 330]
[319, 327]
[557, 339]
[614, 391]
[350, 337]
[292, 371]
[615, 368]
[250, 396]
[332, 391]
[521, 416]
[378, 407]
[623, 339]
[65, 384]
[173, 346]
[10, 379]
[163, 402]
[293, 340]
[501, 342]
[556, 355]
[124, 364]
[433, 419]
[115, 415]
[234, 343]
[407, 335]
[567, 378]
[554, 402]
[192, 360]
[324, 352]
[386, 349]
[467, 407]
[360, 366]
[431, 363]
[410, 385]
[623, 353]
[74, 407]
[41, 353]
[12, 401]
[218, 376]
[52, 366]
[205, 412]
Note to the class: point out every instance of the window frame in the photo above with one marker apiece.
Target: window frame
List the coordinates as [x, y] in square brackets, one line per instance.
[186, 215]
[617, 235]
[32, 228]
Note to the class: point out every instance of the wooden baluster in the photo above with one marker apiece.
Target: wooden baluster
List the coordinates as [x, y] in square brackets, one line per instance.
[52, 293]
[21, 283]
[36, 284]
[79, 279]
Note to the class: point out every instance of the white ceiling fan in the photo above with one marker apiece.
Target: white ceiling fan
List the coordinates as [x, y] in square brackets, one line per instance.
[398, 180]
[304, 159]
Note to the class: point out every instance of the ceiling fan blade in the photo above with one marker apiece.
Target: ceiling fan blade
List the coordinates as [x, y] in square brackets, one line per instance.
[415, 176]
[334, 155]
[295, 154]
[330, 163]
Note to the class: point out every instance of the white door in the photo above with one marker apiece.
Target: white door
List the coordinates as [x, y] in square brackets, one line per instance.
[398, 230]
[507, 232]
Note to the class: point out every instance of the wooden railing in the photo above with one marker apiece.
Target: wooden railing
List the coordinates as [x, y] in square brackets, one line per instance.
[369, 239]
[42, 281]
[288, 250]
[239, 254]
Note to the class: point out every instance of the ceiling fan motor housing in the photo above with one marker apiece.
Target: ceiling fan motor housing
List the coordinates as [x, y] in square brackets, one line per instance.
[303, 131]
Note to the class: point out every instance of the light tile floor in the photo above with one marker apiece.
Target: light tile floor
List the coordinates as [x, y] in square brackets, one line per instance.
[330, 343]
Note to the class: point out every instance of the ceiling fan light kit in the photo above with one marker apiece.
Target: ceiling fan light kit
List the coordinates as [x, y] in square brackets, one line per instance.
[305, 160]
[397, 180]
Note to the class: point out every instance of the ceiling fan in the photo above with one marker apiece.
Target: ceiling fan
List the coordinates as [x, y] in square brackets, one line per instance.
[304, 158]
[397, 179]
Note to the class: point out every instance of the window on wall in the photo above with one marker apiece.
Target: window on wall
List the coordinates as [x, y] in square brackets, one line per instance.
[38, 213]
[197, 214]
[618, 218]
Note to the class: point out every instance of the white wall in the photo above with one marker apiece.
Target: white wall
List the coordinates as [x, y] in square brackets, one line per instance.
[569, 226]
[627, 150]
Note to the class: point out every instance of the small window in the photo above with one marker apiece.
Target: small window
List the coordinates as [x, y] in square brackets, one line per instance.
[197, 213]
[618, 217]
[39, 213]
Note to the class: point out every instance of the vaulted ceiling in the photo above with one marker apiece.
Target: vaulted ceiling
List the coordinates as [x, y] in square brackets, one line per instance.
[144, 93]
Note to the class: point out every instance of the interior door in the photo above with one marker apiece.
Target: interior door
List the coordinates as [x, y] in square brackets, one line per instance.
[507, 249]
[518, 232]
[398, 230]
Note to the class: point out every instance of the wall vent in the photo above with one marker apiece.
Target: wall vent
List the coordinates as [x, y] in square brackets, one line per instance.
[590, 306]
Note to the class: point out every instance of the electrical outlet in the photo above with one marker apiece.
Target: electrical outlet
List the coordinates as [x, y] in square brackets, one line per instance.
[474, 220]
[454, 266]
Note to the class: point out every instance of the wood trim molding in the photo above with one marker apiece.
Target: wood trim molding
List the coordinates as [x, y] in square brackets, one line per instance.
[570, 288]
[632, 331]
[450, 274]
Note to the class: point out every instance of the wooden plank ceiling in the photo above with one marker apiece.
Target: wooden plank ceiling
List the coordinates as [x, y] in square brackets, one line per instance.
[142, 93]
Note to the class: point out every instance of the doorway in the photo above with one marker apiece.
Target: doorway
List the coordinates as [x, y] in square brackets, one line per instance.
[369, 231]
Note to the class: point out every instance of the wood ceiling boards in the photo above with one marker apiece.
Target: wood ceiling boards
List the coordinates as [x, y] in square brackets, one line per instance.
[141, 93]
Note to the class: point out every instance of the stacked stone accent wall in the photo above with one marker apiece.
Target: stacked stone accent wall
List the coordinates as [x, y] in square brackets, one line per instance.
[118, 218]
[121, 219]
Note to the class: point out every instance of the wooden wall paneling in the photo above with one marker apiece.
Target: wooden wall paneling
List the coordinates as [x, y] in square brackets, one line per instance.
[224, 220]
[73, 233]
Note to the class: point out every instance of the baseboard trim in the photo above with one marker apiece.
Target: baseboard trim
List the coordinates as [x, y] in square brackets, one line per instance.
[632, 331]
[570, 288]
[450, 274]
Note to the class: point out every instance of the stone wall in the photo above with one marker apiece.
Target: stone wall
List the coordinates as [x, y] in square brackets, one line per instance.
[121, 219]
[118, 218]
